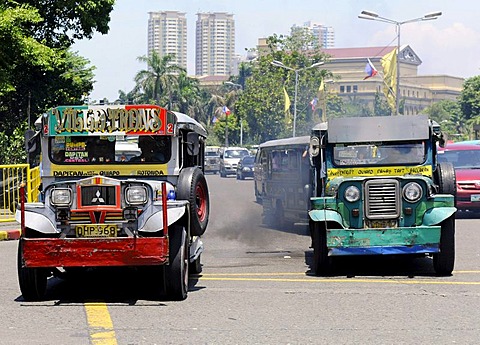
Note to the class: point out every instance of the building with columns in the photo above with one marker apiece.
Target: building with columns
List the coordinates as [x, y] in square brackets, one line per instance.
[418, 91]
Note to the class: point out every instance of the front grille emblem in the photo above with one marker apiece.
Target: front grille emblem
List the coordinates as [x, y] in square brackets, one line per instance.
[98, 198]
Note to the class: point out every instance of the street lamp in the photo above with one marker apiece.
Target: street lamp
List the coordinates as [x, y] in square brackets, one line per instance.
[241, 120]
[369, 15]
[280, 64]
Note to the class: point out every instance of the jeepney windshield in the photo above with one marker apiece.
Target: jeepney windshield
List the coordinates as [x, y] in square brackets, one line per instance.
[154, 149]
[379, 154]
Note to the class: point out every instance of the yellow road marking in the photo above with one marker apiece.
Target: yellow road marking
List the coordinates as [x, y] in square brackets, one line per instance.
[343, 280]
[268, 276]
[100, 323]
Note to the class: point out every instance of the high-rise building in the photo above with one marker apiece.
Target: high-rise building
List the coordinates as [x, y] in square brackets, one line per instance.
[215, 44]
[324, 35]
[167, 34]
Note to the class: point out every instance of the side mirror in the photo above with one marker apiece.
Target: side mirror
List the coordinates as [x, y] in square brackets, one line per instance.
[30, 141]
[193, 144]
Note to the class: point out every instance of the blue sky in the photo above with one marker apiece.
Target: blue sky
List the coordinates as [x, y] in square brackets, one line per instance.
[449, 45]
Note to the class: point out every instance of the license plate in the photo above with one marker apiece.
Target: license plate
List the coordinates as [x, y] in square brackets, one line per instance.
[474, 197]
[96, 230]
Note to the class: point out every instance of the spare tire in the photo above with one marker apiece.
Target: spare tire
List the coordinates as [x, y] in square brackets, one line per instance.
[192, 186]
[446, 179]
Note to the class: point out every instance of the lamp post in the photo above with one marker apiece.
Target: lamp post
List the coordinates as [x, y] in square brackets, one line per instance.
[280, 64]
[241, 120]
[369, 15]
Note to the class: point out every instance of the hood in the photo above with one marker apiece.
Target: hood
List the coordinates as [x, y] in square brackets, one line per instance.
[467, 174]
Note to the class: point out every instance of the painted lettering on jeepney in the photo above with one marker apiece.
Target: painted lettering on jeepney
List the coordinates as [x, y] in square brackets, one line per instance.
[381, 171]
[107, 120]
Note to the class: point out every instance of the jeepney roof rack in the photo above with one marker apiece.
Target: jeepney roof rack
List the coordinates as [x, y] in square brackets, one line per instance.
[378, 128]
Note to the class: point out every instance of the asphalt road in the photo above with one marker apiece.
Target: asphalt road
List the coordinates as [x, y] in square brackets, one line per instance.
[256, 288]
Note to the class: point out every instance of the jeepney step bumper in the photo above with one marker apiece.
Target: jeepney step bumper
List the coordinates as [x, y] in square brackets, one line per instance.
[384, 241]
[74, 252]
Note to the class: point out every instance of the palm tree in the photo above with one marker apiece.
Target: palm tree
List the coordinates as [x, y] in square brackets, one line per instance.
[186, 95]
[159, 80]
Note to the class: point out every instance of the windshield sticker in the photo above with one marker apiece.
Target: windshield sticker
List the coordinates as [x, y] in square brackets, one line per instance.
[381, 171]
[135, 170]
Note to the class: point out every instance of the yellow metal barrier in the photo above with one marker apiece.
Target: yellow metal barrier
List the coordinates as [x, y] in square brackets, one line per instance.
[11, 176]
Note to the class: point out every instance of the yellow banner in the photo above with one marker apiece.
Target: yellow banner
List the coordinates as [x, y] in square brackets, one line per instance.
[131, 170]
[380, 171]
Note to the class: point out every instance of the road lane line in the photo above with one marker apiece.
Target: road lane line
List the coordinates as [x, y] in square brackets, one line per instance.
[100, 324]
[343, 280]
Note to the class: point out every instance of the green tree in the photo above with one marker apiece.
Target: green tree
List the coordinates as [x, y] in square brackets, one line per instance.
[158, 82]
[470, 98]
[262, 103]
[380, 105]
[448, 114]
[65, 21]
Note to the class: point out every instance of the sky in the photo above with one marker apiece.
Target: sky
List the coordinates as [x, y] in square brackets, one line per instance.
[449, 45]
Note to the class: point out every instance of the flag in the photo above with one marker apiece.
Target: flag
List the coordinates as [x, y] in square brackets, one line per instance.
[321, 88]
[313, 103]
[389, 64]
[226, 111]
[287, 100]
[370, 70]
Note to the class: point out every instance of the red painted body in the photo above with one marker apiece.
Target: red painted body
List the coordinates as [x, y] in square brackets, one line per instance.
[95, 252]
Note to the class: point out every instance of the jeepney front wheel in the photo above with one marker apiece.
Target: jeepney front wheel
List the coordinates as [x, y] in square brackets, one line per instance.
[192, 186]
[32, 281]
[176, 272]
[322, 263]
[444, 261]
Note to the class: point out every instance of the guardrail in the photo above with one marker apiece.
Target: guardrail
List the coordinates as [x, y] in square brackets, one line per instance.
[11, 177]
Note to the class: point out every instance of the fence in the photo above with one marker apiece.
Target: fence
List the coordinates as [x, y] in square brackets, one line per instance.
[11, 177]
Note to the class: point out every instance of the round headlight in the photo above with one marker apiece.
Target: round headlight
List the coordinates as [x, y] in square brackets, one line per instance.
[412, 192]
[61, 197]
[136, 195]
[352, 194]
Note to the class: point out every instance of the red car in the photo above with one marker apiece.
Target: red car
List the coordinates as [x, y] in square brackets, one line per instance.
[465, 157]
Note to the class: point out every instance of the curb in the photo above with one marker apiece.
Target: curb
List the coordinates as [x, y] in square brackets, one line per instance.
[10, 234]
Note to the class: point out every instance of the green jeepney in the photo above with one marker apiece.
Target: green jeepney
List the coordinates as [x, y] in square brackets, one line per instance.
[379, 190]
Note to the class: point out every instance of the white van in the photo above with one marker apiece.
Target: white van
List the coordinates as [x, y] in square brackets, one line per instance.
[229, 158]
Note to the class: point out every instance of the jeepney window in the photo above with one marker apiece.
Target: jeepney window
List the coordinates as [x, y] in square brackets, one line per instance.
[110, 149]
[379, 154]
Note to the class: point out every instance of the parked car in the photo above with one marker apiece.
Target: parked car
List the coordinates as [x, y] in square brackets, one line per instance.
[465, 157]
[245, 167]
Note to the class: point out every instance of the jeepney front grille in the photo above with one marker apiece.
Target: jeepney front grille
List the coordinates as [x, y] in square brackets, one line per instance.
[382, 199]
[98, 195]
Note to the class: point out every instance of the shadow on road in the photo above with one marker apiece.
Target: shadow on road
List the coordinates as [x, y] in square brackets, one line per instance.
[377, 266]
[110, 285]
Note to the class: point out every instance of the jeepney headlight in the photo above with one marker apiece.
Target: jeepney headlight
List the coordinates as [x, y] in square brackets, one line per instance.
[136, 195]
[412, 192]
[314, 146]
[352, 194]
[61, 197]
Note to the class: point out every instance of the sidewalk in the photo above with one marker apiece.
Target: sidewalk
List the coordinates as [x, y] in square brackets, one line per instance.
[9, 231]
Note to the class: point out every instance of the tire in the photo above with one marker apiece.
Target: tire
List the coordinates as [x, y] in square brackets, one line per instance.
[196, 266]
[192, 186]
[444, 261]
[32, 281]
[322, 263]
[275, 217]
[446, 180]
[176, 272]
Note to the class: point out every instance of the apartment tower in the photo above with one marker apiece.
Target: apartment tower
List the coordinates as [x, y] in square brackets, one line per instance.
[167, 34]
[215, 44]
[324, 35]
